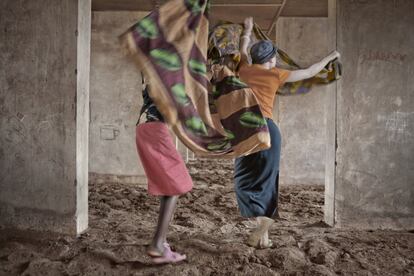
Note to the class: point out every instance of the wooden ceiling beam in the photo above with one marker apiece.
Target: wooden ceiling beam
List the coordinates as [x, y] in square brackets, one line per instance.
[246, 5]
[277, 15]
[248, 2]
[293, 8]
[305, 8]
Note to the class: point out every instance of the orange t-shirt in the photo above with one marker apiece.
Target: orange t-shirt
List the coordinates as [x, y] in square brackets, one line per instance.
[264, 83]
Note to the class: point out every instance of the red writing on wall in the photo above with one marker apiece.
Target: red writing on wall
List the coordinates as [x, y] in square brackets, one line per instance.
[376, 55]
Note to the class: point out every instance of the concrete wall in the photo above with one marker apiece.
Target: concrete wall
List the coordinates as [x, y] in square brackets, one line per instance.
[38, 108]
[302, 118]
[115, 98]
[375, 125]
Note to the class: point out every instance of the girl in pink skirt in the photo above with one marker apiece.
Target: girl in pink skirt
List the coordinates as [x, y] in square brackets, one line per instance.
[166, 173]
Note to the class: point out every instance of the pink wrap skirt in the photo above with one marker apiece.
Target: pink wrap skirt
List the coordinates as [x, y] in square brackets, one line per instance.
[165, 169]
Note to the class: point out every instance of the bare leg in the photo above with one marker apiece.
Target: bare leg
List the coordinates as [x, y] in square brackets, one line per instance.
[167, 208]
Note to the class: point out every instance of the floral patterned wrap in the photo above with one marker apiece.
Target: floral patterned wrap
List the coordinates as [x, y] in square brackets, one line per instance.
[220, 118]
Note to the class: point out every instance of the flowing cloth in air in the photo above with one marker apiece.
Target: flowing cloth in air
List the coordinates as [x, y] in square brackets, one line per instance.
[170, 47]
[217, 118]
[224, 45]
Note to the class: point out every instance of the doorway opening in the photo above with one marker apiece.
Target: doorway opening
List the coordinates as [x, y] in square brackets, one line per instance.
[307, 123]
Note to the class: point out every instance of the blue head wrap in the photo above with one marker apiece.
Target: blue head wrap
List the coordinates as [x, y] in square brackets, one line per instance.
[262, 51]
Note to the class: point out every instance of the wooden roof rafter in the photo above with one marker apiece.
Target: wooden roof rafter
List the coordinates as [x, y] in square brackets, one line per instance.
[292, 8]
[276, 17]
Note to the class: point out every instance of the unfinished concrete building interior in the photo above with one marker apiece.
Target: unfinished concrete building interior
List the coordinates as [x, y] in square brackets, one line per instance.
[73, 198]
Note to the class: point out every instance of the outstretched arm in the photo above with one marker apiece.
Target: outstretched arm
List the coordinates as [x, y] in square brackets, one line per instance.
[298, 75]
[245, 39]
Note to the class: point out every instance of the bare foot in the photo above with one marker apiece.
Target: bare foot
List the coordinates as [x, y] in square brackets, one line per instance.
[260, 237]
[154, 251]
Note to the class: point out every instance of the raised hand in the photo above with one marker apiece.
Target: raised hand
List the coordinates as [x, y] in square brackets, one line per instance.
[248, 24]
[334, 55]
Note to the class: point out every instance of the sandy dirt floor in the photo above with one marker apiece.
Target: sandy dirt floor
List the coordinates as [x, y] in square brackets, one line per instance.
[207, 227]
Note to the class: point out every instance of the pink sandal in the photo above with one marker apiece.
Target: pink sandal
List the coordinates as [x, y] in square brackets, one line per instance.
[168, 256]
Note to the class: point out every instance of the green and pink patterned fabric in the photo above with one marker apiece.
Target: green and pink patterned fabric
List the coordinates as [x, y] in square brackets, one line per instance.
[217, 118]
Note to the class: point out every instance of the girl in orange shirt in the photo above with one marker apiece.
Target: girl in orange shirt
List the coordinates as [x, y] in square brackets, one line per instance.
[256, 176]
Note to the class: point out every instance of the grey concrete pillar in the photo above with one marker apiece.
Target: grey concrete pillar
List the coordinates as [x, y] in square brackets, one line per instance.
[44, 109]
[374, 182]
[331, 106]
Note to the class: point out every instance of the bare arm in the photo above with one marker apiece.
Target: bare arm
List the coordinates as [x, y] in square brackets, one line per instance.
[311, 71]
[245, 39]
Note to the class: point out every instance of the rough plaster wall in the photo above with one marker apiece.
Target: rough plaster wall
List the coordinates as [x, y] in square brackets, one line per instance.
[375, 156]
[37, 114]
[115, 98]
[302, 118]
